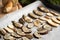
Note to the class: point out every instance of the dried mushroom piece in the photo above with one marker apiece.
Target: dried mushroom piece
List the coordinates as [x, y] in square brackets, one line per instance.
[33, 16]
[16, 24]
[25, 38]
[30, 25]
[43, 9]
[55, 20]
[48, 17]
[8, 37]
[36, 35]
[52, 23]
[37, 22]
[39, 13]
[26, 30]
[27, 19]
[49, 14]
[58, 18]
[15, 35]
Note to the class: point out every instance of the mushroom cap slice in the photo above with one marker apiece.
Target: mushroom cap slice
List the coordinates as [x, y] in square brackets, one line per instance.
[49, 14]
[25, 38]
[36, 35]
[58, 18]
[48, 17]
[39, 13]
[26, 30]
[33, 16]
[52, 23]
[16, 24]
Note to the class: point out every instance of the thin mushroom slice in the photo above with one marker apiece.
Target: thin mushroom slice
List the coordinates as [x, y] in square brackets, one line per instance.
[27, 19]
[52, 23]
[43, 9]
[25, 38]
[49, 14]
[36, 35]
[26, 30]
[58, 18]
[8, 37]
[16, 24]
[55, 20]
[48, 17]
[39, 13]
[33, 16]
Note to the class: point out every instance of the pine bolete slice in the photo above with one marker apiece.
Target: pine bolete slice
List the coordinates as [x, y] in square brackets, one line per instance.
[16, 24]
[26, 30]
[36, 35]
[39, 13]
[8, 37]
[27, 19]
[25, 38]
[33, 16]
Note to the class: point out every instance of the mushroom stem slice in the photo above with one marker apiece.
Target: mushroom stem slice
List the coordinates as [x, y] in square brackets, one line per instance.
[39, 13]
[36, 35]
[52, 23]
[25, 38]
[33, 16]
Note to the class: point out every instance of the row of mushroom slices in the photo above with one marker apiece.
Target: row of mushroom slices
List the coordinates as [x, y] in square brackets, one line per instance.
[41, 18]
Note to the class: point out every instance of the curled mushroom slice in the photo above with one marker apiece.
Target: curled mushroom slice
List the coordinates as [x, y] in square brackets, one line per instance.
[55, 20]
[27, 19]
[30, 25]
[25, 38]
[58, 18]
[36, 35]
[26, 30]
[43, 9]
[49, 14]
[33, 16]
[15, 35]
[37, 23]
[16, 24]
[47, 27]
[52, 23]
[48, 17]
[39, 13]
[8, 37]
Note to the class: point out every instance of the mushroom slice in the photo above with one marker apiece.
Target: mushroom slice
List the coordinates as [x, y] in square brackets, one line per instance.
[54, 13]
[48, 17]
[49, 14]
[58, 18]
[26, 30]
[33, 16]
[27, 19]
[15, 35]
[36, 35]
[43, 9]
[20, 32]
[30, 25]
[8, 30]
[55, 20]
[37, 22]
[43, 31]
[39, 13]
[25, 38]
[47, 27]
[16, 24]
[52, 23]
[8, 37]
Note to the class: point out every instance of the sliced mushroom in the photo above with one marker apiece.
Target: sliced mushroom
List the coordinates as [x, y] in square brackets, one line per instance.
[47, 27]
[30, 25]
[36, 35]
[37, 23]
[26, 30]
[43, 31]
[55, 20]
[52, 23]
[8, 37]
[48, 17]
[15, 35]
[49, 14]
[58, 18]
[39, 13]
[16, 24]
[33, 16]
[43, 9]
[27, 19]
[25, 38]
